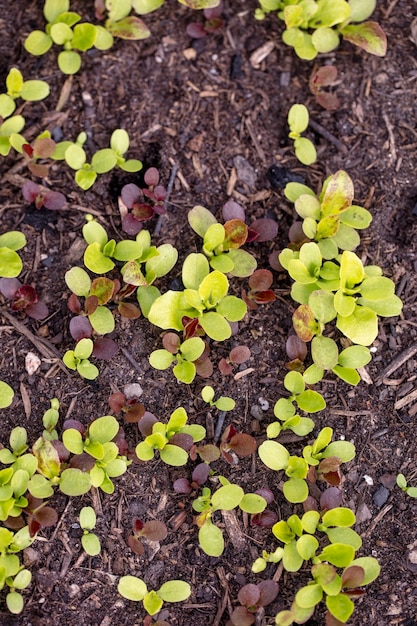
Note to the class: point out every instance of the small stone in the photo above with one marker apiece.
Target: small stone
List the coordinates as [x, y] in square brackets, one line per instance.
[74, 590]
[388, 480]
[133, 391]
[32, 363]
[264, 404]
[256, 412]
[245, 172]
[381, 496]
[363, 513]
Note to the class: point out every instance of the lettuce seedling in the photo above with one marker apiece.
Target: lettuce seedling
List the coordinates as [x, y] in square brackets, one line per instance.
[306, 400]
[259, 289]
[184, 354]
[12, 573]
[171, 440]
[133, 588]
[102, 161]
[226, 498]
[403, 485]
[298, 121]
[78, 359]
[199, 476]
[224, 403]
[222, 243]
[63, 29]
[205, 299]
[6, 395]
[97, 452]
[41, 197]
[297, 351]
[251, 598]
[261, 230]
[120, 24]
[212, 23]
[24, 298]
[316, 26]
[324, 76]
[153, 530]
[143, 203]
[131, 408]
[90, 542]
[234, 444]
[10, 262]
[237, 356]
[39, 515]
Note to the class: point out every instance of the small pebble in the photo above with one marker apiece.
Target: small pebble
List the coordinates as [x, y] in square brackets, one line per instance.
[133, 391]
[264, 404]
[381, 496]
[256, 412]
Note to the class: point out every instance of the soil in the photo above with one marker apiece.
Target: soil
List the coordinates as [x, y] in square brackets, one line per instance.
[203, 106]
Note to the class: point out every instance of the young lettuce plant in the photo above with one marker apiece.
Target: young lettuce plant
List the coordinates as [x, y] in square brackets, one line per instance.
[226, 498]
[189, 356]
[298, 121]
[102, 161]
[24, 298]
[259, 289]
[403, 485]
[13, 574]
[63, 29]
[252, 598]
[172, 440]
[237, 356]
[78, 359]
[89, 540]
[41, 197]
[143, 203]
[316, 26]
[10, 262]
[154, 530]
[133, 588]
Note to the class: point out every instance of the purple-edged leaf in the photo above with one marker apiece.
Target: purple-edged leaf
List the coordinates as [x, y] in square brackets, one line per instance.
[117, 401]
[331, 499]
[296, 348]
[142, 211]
[154, 530]
[240, 354]
[182, 485]
[80, 328]
[249, 595]
[201, 473]
[54, 200]
[232, 210]
[130, 225]
[74, 424]
[9, 287]
[353, 576]
[103, 288]
[136, 545]
[182, 440]
[130, 27]
[213, 24]
[209, 453]
[266, 519]
[242, 617]
[171, 342]
[236, 233]
[266, 228]
[146, 423]
[196, 30]
[30, 191]
[225, 367]
[151, 177]
[105, 348]
[368, 35]
[131, 194]
[83, 462]
[37, 311]
[24, 296]
[269, 591]
[260, 280]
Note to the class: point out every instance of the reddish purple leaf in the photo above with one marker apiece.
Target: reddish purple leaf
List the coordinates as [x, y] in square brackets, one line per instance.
[135, 545]
[331, 498]
[225, 367]
[117, 401]
[146, 423]
[182, 485]
[9, 287]
[261, 280]
[46, 516]
[296, 348]
[130, 195]
[182, 440]
[105, 348]
[91, 304]
[30, 191]
[134, 413]
[80, 328]
[142, 211]
[151, 177]
[154, 530]
[240, 354]
[268, 590]
[241, 617]
[249, 595]
[266, 519]
[196, 30]
[353, 577]
[74, 304]
[232, 210]
[129, 310]
[200, 473]
[204, 368]
[54, 200]
[83, 461]
[37, 311]
[242, 444]
[266, 494]
[24, 296]
[74, 424]
[130, 225]
[266, 228]
[171, 342]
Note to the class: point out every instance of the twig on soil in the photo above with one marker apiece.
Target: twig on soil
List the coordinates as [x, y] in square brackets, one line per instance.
[397, 362]
[327, 135]
[378, 518]
[393, 151]
[278, 573]
[258, 147]
[131, 360]
[410, 397]
[226, 600]
[219, 426]
[46, 349]
[169, 190]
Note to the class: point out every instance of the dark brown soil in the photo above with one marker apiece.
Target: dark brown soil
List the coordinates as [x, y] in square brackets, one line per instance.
[201, 114]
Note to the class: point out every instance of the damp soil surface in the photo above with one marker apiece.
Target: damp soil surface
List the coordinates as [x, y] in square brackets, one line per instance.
[215, 110]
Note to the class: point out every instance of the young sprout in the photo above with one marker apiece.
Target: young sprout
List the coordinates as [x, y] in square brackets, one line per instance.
[133, 588]
[153, 530]
[402, 484]
[298, 121]
[90, 541]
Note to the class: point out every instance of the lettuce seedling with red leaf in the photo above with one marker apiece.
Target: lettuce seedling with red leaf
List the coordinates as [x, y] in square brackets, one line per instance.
[212, 23]
[153, 530]
[139, 205]
[41, 197]
[237, 356]
[252, 598]
[24, 298]
[259, 289]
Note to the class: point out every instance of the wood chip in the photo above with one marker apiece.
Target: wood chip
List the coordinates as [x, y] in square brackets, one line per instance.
[261, 53]
[190, 54]
[232, 526]
[231, 182]
[245, 372]
[26, 400]
[65, 93]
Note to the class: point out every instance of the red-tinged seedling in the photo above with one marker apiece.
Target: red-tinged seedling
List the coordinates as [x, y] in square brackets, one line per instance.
[189, 357]
[297, 351]
[234, 444]
[199, 476]
[153, 530]
[42, 148]
[131, 409]
[237, 356]
[41, 197]
[324, 77]
[267, 518]
[212, 23]
[143, 203]
[259, 289]
[24, 298]
[260, 230]
[39, 515]
[252, 598]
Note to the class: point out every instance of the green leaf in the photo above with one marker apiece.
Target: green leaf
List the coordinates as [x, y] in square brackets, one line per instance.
[75, 156]
[173, 455]
[200, 219]
[84, 36]
[371, 567]
[38, 43]
[87, 518]
[211, 539]
[215, 326]
[53, 8]
[295, 489]
[298, 118]
[73, 441]
[164, 261]
[340, 606]
[338, 554]
[244, 264]
[324, 352]
[78, 281]
[91, 544]
[22, 579]
[344, 450]
[103, 161]
[344, 535]
[252, 503]
[74, 482]
[274, 455]
[161, 359]
[10, 263]
[165, 311]
[355, 356]
[291, 560]
[102, 320]
[132, 588]
[294, 383]
[309, 596]
[321, 303]
[368, 36]
[130, 27]
[361, 327]
[385, 308]
[339, 516]
[310, 401]
[87, 370]
[307, 546]
[15, 603]
[305, 151]
[6, 395]
[227, 498]
[103, 429]
[192, 349]
[174, 591]
[356, 217]
[325, 39]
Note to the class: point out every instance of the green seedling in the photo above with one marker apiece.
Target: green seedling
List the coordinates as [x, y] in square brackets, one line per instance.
[298, 121]
[133, 588]
[102, 161]
[63, 28]
[314, 27]
[78, 359]
[10, 262]
[184, 354]
[89, 541]
[226, 498]
[12, 573]
[205, 298]
[224, 403]
[276, 457]
[102, 460]
[338, 591]
[171, 440]
[6, 395]
[222, 242]
[403, 485]
[306, 400]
